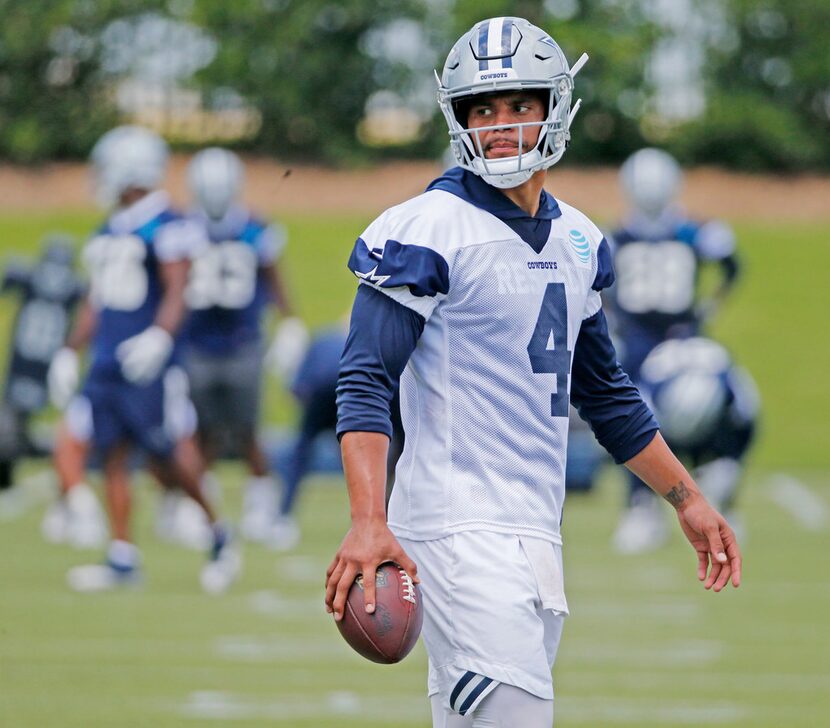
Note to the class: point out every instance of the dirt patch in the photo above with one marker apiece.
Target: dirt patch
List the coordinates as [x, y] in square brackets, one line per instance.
[315, 190]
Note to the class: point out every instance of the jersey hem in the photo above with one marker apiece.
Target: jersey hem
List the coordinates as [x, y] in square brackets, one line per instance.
[511, 529]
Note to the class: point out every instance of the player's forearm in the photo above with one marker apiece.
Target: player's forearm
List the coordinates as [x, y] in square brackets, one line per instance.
[172, 307]
[277, 289]
[657, 466]
[364, 465]
[83, 328]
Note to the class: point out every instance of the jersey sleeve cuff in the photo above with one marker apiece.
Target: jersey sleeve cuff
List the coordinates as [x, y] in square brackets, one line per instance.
[638, 432]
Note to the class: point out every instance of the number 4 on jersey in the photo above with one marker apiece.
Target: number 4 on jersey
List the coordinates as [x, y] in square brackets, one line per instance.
[548, 347]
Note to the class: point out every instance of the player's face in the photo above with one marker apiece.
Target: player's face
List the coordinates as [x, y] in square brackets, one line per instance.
[512, 107]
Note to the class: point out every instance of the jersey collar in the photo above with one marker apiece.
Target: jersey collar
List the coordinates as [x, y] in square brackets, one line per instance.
[228, 227]
[129, 219]
[471, 188]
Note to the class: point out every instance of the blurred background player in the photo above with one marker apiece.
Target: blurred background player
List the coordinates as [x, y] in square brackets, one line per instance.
[138, 261]
[233, 282]
[48, 293]
[707, 407]
[315, 388]
[658, 255]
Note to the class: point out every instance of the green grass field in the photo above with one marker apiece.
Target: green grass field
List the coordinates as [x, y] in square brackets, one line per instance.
[644, 646]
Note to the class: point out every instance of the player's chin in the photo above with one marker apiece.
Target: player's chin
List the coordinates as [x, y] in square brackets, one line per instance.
[502, 153]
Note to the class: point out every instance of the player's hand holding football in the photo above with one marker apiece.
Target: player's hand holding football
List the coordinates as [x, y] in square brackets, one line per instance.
[367, 545]
[713, 540]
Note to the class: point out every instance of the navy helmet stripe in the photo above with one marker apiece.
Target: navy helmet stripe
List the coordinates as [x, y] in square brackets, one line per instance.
[473, 696]
[459, 686]
[483, 35]
[506, 36]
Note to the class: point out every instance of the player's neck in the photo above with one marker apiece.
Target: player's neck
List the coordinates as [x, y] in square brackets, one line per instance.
[527, 194]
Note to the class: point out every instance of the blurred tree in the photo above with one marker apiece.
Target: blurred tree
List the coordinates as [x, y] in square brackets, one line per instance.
[53, 103]
[306, 66]
[737, 82]
[768, 96]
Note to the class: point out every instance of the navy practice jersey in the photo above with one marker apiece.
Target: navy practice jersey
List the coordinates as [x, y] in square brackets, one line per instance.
[495, 319]
[48, 292]
[123, 260]
[228, 290]
[657, 266]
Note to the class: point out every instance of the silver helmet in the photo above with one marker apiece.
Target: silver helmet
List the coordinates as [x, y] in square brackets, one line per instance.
[508, 54]
[651, 180]
[125, 157]
[215, 177]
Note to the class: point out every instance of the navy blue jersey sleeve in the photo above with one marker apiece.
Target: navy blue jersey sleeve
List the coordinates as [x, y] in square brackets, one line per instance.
[605, 397]
[421, 269]
[382, 336]
[605, 267]
[731, 267]
[16, 277]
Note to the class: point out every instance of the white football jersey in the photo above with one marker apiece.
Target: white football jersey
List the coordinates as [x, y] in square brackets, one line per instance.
[484, 396]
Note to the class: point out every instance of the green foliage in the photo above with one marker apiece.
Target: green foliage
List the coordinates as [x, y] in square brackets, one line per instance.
[769, 102]
[309, 66]
[305, 67]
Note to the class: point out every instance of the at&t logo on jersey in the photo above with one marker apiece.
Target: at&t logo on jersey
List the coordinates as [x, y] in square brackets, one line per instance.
[580, 244]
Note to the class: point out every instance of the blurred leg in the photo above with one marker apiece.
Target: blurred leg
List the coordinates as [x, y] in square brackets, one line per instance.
[117, 489]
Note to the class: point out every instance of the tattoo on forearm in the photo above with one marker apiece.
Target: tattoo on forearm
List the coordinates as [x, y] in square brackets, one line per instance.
[677, 494]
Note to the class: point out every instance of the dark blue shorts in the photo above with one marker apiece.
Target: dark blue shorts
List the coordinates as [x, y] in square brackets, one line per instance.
[125, 412]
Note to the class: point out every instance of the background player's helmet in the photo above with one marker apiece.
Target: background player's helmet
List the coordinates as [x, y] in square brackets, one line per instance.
[651, 180]
[689, 406]
[215, 177]
[127, 157]
[686, 382]
[508, 54]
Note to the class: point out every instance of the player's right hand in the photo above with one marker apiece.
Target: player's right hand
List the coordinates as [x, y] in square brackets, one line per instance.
[62, 377]
[288, 348]
[364, 548]
[143, 356]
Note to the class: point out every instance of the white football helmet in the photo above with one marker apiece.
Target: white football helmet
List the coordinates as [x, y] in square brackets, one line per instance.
[215, 176]
[651, 180]
[125, 157]
[685, 381]
[508, 54]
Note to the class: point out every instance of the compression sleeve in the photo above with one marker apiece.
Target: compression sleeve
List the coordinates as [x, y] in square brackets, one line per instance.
[382, 336]
[605, 397]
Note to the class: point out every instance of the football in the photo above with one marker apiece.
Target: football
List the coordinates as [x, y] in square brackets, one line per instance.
[389, 634]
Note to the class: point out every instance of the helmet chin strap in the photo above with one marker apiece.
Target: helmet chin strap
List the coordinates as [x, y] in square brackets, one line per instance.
[502, 173]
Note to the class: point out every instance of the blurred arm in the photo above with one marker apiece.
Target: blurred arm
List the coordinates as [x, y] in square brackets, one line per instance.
[172, 308]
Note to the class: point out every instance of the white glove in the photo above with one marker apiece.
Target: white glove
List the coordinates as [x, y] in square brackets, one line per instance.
[288, 348]
[144, 355]
[62, 377]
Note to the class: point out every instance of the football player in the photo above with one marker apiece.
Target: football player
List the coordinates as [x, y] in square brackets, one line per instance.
[482, 297]
[233, 282]
[658, 256]
[48, 293]
[138, 262]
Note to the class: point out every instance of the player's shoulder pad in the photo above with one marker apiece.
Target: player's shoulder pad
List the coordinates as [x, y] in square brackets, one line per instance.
[413, 244]
[178, 237]
[715, 239]
[588, 241]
